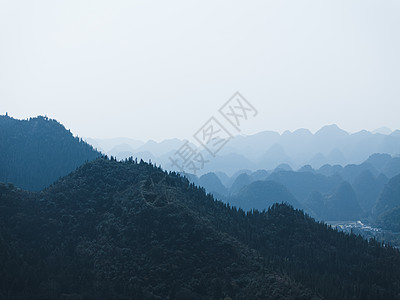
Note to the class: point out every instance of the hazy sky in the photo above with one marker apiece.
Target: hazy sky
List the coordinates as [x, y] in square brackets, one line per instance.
[160, 69]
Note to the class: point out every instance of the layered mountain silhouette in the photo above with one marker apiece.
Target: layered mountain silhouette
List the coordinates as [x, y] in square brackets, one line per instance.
[331, 193]
[261, 195]
[368, 188]
[38, 151]
[128, 230]
[240, 182]
[342, 204]
[266, 150]
[212, 184]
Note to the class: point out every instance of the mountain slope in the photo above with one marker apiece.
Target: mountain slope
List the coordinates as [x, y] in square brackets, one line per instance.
[300, 184]
[390, 197]
[38, 151]
[367, 188]
[241, 181]
[387, 208]
[130, 231]
[212, 184]
[114, 230]
[342, 204]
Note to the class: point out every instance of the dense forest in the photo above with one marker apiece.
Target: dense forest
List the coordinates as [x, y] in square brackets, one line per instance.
[129, 230]
[38, 151]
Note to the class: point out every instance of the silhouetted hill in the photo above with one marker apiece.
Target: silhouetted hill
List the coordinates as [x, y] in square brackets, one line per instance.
[212, 184]
[392, 167]
[240, 181]
[283, 167]
[223, 177]
[342, 204]
[261, 195]
[329, 170]
[236, 175]
[378, 160]
[383, 130]
[315, 204]
[106, 145]
[363, 179]
[351, 172]
[390, 197]
[126, 230]
[259, 175]
[329, 145]
[376, 164]
[301, 184]
[368, 188]
[339, 205]
[306, 168]
[273, 157]
[38, 151]
[387, 209]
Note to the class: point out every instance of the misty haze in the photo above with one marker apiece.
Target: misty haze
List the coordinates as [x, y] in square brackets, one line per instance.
[199, 150]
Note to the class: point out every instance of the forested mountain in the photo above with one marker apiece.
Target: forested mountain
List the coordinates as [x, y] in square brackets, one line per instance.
[127, 230]
[38, 151]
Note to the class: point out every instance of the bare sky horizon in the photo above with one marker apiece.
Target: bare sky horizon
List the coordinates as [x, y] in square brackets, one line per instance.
[157, 70]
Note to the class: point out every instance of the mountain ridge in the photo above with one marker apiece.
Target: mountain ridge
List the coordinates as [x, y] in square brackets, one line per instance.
[111, 229]
[37, 151]
[328, 145]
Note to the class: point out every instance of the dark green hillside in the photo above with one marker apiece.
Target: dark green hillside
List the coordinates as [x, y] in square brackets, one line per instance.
[114, 230]
[38, 151]
[126, 231]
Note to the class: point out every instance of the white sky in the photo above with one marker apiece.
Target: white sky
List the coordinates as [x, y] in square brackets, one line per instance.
[160, 69]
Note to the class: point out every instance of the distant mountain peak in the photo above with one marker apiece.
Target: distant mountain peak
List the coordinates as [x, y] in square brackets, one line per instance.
[331, 129]
[395, 133]
[302, 131]
[383, 130]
